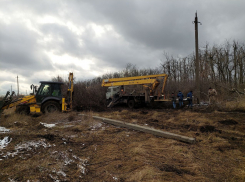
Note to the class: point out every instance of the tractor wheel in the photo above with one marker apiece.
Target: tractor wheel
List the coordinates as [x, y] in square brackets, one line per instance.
[131, 104]
[51, 106]
[22, 110]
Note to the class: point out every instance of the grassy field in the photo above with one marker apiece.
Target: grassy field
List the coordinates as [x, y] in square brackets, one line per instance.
[78, 148]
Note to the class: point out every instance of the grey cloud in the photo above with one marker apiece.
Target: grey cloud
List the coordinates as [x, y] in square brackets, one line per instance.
[33, 7]
[146, 29]
[19, 50]
[154, 24]
[65, 40]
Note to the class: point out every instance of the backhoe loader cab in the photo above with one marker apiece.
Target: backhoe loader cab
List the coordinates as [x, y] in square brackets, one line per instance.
[49, 96]
[49, 90]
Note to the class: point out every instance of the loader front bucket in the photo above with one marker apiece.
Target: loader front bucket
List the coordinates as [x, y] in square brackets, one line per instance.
[2, 102]
[6, 100]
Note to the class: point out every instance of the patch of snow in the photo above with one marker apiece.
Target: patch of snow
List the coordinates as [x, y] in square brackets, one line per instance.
[82, 164]
[73, 136]
[4, 142]
[57, 175]
[53, 178]
[11, 180]
[48, 125]
[32, 144]
[4, 130]
[69, 158]
[203, 103]
[28, 146]
[55, 152]
[96, 126]
[115, 178]
[82, 169]
[62, 173]
[68, 161]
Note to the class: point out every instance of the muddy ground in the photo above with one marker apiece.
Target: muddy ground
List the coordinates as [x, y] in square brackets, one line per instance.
[79, 148]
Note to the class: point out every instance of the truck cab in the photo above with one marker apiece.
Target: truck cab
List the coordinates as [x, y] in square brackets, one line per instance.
[111, 92]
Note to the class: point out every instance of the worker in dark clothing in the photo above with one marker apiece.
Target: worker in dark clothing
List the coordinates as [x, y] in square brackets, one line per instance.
[180, 96]
[173, 100]
[189, 98]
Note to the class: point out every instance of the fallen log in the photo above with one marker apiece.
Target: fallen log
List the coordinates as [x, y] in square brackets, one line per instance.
[146, 129]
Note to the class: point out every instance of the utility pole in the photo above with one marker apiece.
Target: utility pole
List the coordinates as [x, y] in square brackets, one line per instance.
[18, 85]
[11, 89]
[198, 90]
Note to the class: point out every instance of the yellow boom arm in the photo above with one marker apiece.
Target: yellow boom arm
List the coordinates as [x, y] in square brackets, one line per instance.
[153, 80]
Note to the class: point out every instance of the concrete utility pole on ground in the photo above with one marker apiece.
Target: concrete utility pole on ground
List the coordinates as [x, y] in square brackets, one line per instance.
[145, 129]
[198, 90]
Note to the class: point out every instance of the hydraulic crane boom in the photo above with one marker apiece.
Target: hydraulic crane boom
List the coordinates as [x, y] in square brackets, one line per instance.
[150, 81]
[144, 91]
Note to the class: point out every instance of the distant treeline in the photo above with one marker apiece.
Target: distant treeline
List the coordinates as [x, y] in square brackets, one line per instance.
[221, 67]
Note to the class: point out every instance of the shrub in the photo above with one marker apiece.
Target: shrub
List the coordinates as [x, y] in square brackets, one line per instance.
[89, 98]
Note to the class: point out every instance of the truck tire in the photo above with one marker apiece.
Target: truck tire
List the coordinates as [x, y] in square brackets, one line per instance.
[51, 106]
[131, 104]
[22, 110]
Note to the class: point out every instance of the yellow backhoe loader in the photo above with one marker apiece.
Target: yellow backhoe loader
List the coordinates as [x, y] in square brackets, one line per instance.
[48, 98]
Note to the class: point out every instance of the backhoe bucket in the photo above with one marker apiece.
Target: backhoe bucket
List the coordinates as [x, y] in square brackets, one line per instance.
[2, 102]
[6, 100]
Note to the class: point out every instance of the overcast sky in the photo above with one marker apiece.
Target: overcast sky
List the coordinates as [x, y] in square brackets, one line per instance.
[41, 39]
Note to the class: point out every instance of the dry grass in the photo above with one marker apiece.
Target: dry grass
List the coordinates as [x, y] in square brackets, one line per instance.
[119, 154]
[145, 174]
[236, 105]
